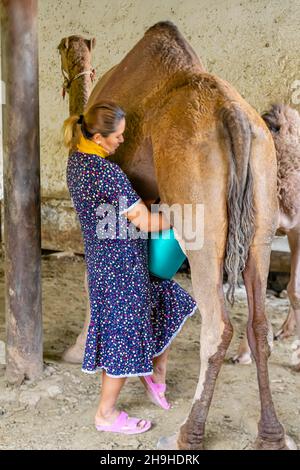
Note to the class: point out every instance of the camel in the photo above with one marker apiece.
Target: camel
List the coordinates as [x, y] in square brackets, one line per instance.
[284, 124]
[191, 138]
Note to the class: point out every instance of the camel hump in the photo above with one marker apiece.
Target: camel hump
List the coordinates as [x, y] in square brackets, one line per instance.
[164, 26]
[166, 41]
[240, 200]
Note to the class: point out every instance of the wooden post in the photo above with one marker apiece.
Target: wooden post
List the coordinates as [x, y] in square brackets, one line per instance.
[22, 219]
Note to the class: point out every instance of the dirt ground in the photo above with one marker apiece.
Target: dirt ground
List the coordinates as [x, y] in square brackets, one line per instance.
[57, 411]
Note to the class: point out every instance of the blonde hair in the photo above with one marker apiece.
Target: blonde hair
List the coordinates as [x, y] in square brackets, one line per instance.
[103, 118]
[71, 131]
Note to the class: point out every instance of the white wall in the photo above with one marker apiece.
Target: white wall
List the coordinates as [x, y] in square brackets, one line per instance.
[254, 44]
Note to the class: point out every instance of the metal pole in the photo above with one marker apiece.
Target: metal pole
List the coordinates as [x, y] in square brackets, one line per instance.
[22, 218]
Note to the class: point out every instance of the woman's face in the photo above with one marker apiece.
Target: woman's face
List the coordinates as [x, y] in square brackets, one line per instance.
[113, 140]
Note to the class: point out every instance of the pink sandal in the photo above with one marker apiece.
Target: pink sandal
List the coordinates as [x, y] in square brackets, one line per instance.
[125, 425]
[153, 391]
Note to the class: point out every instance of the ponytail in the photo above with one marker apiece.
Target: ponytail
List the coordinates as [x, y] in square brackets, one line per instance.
[71, 131]
[103, 118]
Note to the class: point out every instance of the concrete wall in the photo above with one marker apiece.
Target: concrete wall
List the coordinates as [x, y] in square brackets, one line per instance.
[254, 44]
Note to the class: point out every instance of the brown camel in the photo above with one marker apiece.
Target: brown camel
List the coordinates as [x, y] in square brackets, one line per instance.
[192, 139]
[284, 124]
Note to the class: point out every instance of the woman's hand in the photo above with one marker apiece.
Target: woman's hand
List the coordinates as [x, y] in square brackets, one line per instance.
[147, 221]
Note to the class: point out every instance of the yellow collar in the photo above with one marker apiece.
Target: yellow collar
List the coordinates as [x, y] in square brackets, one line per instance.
[88, 146]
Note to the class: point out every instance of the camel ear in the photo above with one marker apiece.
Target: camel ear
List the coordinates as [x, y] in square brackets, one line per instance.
[91, 43]
[272, 121]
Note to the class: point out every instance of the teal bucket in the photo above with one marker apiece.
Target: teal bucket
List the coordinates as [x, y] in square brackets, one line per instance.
[165, 255]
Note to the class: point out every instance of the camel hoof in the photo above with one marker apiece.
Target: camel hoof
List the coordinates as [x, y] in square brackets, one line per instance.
[73, 355]
[277, 336]
[283, 333]
[244, 359]
[167, 443]
[286, 443]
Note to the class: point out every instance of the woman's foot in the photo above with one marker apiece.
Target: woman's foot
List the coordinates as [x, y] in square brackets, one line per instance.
[119, 422]
[155, 384]
[158, 377]
[159, 374]
[106, 418]
[156, 391]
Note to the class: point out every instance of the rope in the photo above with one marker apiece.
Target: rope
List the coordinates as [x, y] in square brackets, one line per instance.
[68, 82]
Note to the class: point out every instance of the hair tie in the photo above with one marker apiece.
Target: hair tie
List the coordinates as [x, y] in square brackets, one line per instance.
[80, 120]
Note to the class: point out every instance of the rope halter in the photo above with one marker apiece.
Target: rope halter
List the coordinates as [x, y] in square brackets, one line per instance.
[68, 82]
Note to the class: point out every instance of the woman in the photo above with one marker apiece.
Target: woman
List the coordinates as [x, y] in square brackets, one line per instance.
[134, 316]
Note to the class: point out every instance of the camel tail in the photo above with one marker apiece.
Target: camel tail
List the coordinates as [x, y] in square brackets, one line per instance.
[240, 204]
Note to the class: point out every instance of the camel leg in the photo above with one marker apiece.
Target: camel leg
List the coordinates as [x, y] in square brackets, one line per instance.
[293, 290]
[216, 334]
[288, 327]
[290, 324]
[74, 354]
[270, 432]
[243, 355]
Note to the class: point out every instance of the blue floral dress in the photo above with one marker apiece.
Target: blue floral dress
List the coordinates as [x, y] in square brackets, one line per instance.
[134, 315]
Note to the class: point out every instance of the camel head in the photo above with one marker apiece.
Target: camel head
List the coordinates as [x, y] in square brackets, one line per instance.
[282, 120]
[284, 124]
[75, 53]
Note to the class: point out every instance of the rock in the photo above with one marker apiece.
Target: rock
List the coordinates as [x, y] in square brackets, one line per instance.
[290, 443]
[2, 353]
[49, 386]
[48, 371]
[60, 254]
[29, 398]
[54, 390]
[295, 358]
[283, 294]
[71, 399]
[8, 395]
[227, 417]
[295, 344]
[76, 380]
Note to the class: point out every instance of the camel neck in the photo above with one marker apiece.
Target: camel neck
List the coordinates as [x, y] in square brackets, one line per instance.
[79, 94]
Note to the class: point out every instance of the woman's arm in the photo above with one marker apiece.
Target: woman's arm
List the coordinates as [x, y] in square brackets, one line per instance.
[145, 220]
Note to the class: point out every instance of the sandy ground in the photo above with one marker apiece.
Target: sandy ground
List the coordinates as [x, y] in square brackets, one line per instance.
[57, 411]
